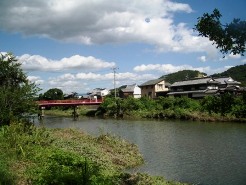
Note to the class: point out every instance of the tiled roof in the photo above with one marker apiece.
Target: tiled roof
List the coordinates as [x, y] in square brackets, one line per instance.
[194, 82]
[206, 91]
[227, 80]
[129, 88]
[151, 82]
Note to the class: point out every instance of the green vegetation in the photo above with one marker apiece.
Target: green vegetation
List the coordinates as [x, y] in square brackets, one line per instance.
[182, 75]
[237, 73]
[212, 108]
[230, 38]
[31, 155]
[52, 94]
[68, 111]
[16, 92]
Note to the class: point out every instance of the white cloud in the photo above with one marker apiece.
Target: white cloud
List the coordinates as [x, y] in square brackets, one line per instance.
[35, 79]
[202, 58]
[244, 60]
[169, 68]
[82, 82]
[237, 56]
[37, 62]
[104, 21]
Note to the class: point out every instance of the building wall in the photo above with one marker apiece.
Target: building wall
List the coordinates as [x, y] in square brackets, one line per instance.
[148, 91]
[160, 87]
[151, 90]
[137, 92]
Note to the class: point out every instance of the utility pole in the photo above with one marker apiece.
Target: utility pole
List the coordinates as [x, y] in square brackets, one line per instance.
[114, 70]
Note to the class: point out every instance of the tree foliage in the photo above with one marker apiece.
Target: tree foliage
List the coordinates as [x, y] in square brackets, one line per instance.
[16, 92]
[182, 75]
[173, 107]
[229, 38]
[53, 94]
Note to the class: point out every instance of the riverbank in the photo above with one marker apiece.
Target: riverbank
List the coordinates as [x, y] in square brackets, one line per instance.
[226, 108]
[31, 155]
[178, 114]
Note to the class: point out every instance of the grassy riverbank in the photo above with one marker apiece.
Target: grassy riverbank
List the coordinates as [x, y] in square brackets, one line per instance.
[31, 155]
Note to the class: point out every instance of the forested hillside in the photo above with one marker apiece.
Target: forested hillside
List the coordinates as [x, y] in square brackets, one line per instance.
[182, 75]
[237, 73]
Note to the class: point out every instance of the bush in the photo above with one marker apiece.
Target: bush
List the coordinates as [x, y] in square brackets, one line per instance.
[67, 168]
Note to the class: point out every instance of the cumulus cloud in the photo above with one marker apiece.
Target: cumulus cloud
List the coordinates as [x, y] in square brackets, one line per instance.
[82, 82]
[202, 58]
[35, 79]
[37, 62]
[105, 21]
[237, 56]
[169, 68]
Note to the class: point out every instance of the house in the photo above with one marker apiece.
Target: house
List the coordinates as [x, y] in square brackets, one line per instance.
[227, 84]
[130, 90]
[99, 92]
[154, 88]
[200, 87]
[195, 88]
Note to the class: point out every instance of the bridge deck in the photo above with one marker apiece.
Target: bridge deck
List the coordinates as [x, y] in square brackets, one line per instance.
[52, 103]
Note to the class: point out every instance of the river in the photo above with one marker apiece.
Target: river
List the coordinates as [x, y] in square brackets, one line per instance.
[194, 152]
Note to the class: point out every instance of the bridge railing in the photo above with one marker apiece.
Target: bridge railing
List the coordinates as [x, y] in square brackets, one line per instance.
[70, 101]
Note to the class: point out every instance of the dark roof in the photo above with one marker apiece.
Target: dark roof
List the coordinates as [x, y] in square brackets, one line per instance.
[129, 88]
[227, 80]
[151, 82]
[207, 91]
[195, 81]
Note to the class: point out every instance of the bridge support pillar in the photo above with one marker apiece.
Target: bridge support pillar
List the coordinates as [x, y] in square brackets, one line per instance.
[41, 113]
[75, 114]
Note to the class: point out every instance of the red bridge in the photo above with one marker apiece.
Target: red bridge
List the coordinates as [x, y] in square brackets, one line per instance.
[53, 103]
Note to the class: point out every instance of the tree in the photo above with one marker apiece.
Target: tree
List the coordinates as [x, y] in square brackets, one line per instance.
[228, 38]
[16, 92]
[53, 94]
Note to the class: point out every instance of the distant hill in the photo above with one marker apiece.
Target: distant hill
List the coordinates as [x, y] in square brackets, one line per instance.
[238, 73]
[182, 75]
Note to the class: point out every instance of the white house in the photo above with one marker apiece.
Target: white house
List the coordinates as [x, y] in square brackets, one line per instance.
[102, 92]
[131, 90]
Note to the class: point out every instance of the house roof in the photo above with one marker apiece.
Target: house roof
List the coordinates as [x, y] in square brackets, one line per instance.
[151, 82]
[129, 88]
[207, 91]
[227, 80]
[195, 81]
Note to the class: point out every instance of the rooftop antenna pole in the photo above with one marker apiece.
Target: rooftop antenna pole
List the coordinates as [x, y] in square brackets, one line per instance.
[114, 70]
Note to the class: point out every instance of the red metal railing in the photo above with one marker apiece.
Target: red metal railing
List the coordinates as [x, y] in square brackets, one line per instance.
[69, 102]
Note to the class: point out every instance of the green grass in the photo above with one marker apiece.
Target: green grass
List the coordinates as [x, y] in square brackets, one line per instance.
[31, 155]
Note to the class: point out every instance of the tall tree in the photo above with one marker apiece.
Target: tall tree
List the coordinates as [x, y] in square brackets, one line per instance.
[53, 94]
[229, 38]
[16, 92]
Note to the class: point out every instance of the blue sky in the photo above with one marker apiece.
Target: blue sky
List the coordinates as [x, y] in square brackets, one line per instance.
[73, 45]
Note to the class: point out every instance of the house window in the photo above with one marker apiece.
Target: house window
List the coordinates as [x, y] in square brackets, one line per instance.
[202, 87]
[160, 86]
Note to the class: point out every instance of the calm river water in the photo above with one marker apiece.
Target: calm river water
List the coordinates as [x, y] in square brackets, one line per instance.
[194, 152]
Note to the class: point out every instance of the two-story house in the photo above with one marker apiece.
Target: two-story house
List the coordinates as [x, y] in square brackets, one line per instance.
[195, 88]
[130, 90]
[154, 88]
[227, 84]
[99, 92]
